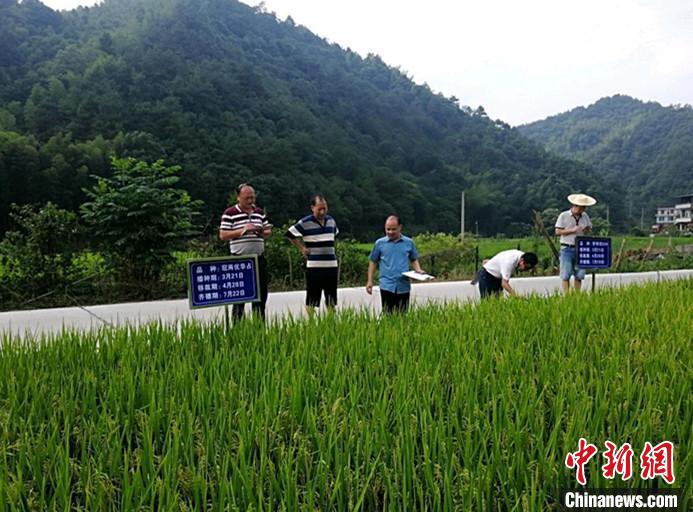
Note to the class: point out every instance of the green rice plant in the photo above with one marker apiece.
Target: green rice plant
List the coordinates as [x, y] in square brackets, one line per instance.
[470, 407]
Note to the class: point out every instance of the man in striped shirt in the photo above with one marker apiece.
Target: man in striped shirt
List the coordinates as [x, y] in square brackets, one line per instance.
[245, 226]
[318, 232]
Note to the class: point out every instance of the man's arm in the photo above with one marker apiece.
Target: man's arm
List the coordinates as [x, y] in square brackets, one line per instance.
[294, 233]
[373, 259]
[588, 227]
[505, 284]
[561, 222]
[372, 266]
[232, 234]
[416, 266]
[570, 231]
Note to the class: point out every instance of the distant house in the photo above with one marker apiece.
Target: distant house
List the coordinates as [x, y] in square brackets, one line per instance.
[679, 215]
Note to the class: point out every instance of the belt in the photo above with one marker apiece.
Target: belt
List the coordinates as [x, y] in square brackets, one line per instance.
[567, 245]
[488, 273]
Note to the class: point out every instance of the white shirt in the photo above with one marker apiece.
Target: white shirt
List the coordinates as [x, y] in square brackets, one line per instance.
[566, 220]
[503, 264]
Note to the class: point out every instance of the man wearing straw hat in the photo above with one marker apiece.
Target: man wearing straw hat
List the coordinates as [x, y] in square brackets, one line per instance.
[570, 224]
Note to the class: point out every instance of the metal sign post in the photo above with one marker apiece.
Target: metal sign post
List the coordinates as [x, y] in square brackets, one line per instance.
[223, 281]
[593, 252]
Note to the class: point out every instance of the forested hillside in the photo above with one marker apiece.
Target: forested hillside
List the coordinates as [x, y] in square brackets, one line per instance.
[647, 147]
[231, 93]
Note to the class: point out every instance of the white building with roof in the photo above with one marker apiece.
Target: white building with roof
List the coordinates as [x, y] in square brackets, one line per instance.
[679, 215]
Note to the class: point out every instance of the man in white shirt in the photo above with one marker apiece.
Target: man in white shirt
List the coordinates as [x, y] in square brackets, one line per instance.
[494, 276]
[572, 223]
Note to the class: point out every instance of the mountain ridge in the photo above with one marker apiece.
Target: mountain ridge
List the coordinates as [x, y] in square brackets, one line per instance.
[232, 94]
[646, 146]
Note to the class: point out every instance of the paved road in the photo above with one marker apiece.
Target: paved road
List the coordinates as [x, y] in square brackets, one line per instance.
[36, 322]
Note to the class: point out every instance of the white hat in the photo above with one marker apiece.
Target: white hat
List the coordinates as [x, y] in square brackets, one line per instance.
[581, 200]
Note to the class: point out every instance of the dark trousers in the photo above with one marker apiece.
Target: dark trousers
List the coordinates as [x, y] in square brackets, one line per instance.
[319, 281]
[489, 286]
[394, 302]
[258, 307]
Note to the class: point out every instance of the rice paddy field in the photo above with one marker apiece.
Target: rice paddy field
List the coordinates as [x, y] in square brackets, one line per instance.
[468, 407]
[490, 246]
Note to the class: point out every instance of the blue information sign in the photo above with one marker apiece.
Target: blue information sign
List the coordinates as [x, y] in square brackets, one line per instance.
[593, 251]
[219, 281]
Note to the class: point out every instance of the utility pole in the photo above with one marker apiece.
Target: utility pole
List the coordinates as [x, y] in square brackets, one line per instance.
[608, 223]
[476, 225]
[462, 219]
[642, 218]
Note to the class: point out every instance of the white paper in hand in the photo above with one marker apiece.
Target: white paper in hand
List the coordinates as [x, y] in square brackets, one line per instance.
[412, 274]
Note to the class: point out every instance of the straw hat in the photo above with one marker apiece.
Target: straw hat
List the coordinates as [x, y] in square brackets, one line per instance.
[581, 200]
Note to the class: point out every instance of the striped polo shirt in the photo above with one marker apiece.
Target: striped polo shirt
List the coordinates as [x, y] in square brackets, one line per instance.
[318, 238]
[235, 218]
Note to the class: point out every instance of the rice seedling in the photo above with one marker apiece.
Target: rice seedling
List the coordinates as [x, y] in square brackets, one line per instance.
[468, 407]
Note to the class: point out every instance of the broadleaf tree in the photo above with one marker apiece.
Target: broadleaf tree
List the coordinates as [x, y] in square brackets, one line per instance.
[139, 217]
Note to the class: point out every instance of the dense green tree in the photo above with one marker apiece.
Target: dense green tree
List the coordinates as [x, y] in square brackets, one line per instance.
[36, 254]
[138, 216]
[57, 170]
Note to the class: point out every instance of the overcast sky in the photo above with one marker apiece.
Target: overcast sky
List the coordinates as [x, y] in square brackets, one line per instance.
[521, 60]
